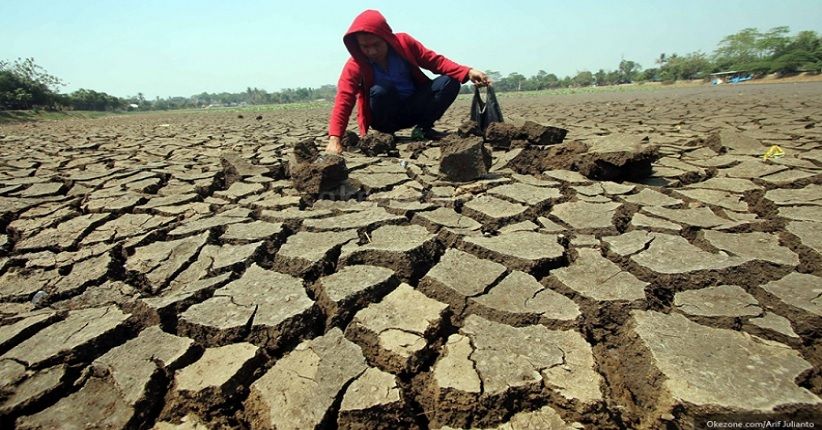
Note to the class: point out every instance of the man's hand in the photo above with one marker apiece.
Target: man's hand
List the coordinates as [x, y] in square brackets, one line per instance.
[334, 146]
[479, 78]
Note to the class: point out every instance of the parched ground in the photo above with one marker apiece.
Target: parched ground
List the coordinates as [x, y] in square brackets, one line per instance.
[160, 271]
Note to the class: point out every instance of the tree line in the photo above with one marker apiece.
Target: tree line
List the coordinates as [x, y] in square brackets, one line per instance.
[26, 85]
[749, 50]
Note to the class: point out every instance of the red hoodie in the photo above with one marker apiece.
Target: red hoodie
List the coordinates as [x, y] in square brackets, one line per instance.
[357, 76]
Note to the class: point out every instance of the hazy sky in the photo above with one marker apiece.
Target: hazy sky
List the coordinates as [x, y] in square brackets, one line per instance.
[171, 48]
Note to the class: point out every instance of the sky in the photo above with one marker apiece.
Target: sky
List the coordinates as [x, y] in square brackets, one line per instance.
[181, 48]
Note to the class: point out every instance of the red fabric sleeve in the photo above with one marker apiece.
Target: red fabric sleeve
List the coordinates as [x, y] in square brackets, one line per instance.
[346, 98]
[434, 62]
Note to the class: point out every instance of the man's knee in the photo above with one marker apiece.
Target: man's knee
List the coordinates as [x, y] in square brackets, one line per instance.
[446, 84]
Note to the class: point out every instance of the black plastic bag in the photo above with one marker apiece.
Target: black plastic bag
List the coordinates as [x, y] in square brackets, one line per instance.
[484, 113]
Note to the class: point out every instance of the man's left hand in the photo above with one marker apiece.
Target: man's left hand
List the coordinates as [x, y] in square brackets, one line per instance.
[479, 78]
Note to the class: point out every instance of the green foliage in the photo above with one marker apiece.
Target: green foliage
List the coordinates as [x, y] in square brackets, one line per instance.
[25, 85]
[84, 99]
[628, 71]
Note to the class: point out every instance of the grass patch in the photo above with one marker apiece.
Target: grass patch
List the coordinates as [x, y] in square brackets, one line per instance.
[21, 116]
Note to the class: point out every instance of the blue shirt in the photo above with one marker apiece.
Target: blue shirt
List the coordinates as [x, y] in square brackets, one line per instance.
[397, 75]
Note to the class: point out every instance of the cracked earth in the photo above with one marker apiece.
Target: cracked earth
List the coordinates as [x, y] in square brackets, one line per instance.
[162, 271]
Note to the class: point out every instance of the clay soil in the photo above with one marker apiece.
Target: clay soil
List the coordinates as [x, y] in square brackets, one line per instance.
[124, 212]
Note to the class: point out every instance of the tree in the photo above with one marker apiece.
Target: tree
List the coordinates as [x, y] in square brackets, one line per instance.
[649, 75]
[690, 66]
[24, 85]
[628, 71]
[583, 79]
[739, 48]
[601, 78]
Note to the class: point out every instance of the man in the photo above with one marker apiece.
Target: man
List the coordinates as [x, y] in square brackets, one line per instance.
[383, 77]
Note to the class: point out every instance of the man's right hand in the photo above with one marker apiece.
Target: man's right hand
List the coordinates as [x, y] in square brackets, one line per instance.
[334, 146]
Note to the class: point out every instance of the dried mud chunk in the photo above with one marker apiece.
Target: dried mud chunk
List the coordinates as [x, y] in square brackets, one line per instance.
[395, 333]
[349, 139]
[212, 380]
[33, 389]
[98, 402]
[733, 185]
[500, 134]
[596, 277]
[618, 156]
[545, 418]
[720, 301]
[367, 218]
[374, 182]
[530, 195]
[252, 232]
[74, 336]
[755, 246]
[527, 251]
[649, 197]
[464, 160]
[217, 259]
[132, 364]
[776, 323]
[446, 217]
[42, 189]
[177, 297]
[701, 217]
[722, 199]
[643, 221]
[801, 213]
[299, 390]
[751, 169]
[235, 168]
[158, 262]
[64, 235]
[735, 143]
[265, 306]
[809, 233]
[310, 253]
[539, 134]
[305, 151]
[408, 250]
[711, 368]
[810, 195]
[375, 143]
[350, 289]
[27, 325]
[125, 226]
[520, 299]
[121, 390]
[323, 173]
[459, 276]
[469, 128]
[584, 215]
[668, 254]
[488, 367]
[114, 203]
[239, 190]
[374, 401]
[171, 200]
[493, 210]
[197, 225]
[799, 290]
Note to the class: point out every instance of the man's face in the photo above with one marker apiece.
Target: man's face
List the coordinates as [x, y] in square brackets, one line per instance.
[372, 46]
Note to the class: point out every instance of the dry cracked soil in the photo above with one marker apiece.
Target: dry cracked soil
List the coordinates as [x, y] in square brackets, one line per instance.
[161, 271]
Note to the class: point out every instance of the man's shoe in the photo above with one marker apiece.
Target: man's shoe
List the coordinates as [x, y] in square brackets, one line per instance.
[426, 133]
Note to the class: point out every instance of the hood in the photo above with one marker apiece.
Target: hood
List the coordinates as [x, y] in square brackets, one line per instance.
[370, 21]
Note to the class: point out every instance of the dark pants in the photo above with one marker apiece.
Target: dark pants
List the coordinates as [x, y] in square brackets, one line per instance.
[389, 113]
